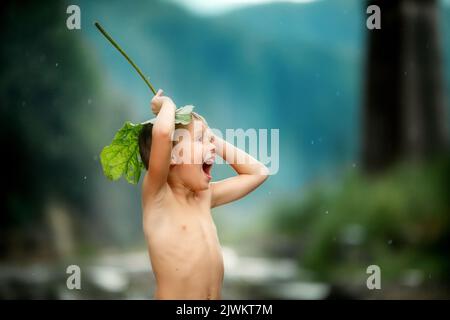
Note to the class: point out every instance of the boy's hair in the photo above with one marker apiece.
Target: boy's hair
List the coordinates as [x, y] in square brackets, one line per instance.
[145, 139]
[145, 142]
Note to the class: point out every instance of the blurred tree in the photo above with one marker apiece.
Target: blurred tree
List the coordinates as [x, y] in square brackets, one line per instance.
[405, 96]
[51, 121]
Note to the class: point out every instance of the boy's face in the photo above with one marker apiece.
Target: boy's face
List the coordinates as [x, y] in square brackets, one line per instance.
[193, 155]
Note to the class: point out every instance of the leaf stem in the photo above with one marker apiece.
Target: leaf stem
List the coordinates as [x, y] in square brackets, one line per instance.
[107, 36]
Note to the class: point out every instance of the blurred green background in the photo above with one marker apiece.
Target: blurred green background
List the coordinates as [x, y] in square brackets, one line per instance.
[363, 117]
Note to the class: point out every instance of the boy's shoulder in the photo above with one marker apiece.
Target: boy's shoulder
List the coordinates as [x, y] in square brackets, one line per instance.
[165, 192]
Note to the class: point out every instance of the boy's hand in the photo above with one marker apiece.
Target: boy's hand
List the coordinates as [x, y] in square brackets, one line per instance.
[251, 173]
[158, 100]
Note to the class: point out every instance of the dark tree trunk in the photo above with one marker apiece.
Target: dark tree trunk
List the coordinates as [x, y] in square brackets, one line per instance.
[404, 113]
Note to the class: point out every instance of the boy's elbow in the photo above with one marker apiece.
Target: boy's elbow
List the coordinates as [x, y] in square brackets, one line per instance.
[264, 173]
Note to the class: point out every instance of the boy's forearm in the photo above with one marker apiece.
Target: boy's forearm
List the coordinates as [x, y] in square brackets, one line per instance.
[239, 160]
[165, 120]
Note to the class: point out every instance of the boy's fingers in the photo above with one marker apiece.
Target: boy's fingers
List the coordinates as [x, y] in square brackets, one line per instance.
[157, 95]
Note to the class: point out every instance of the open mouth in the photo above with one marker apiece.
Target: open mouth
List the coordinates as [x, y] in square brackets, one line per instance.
[207, 169]
[207, 166]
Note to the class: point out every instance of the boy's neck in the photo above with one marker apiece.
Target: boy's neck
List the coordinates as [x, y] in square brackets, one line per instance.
[182, 192]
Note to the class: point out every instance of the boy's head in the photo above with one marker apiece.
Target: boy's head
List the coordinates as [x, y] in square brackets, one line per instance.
[193, 152]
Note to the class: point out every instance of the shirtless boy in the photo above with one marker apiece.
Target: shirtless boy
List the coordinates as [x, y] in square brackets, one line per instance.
[177, 197]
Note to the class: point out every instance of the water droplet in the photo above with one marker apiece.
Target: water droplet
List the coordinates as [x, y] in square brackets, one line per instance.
[56, 64]
[89, 101]
[389, 242]
[312, 141]
[326, 212]
[84, 178]
[354, 165]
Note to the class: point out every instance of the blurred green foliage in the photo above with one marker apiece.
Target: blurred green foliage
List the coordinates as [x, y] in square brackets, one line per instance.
[56, 114]
[399, 220]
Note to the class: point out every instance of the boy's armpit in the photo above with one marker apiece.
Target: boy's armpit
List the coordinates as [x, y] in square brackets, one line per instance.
[151, 195]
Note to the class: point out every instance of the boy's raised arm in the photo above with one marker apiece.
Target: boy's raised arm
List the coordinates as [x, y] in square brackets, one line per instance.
[251, 173]
[161, 147]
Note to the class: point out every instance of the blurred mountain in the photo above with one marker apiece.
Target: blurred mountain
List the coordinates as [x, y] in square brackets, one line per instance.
[288, 66]
[296, 67]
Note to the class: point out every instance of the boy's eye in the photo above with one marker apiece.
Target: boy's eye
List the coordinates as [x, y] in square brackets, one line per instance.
[199, 138]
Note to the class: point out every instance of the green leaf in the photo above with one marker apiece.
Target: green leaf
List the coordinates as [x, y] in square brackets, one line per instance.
[183, 118]
[183, 115]
[186, 110]
[121, 157]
